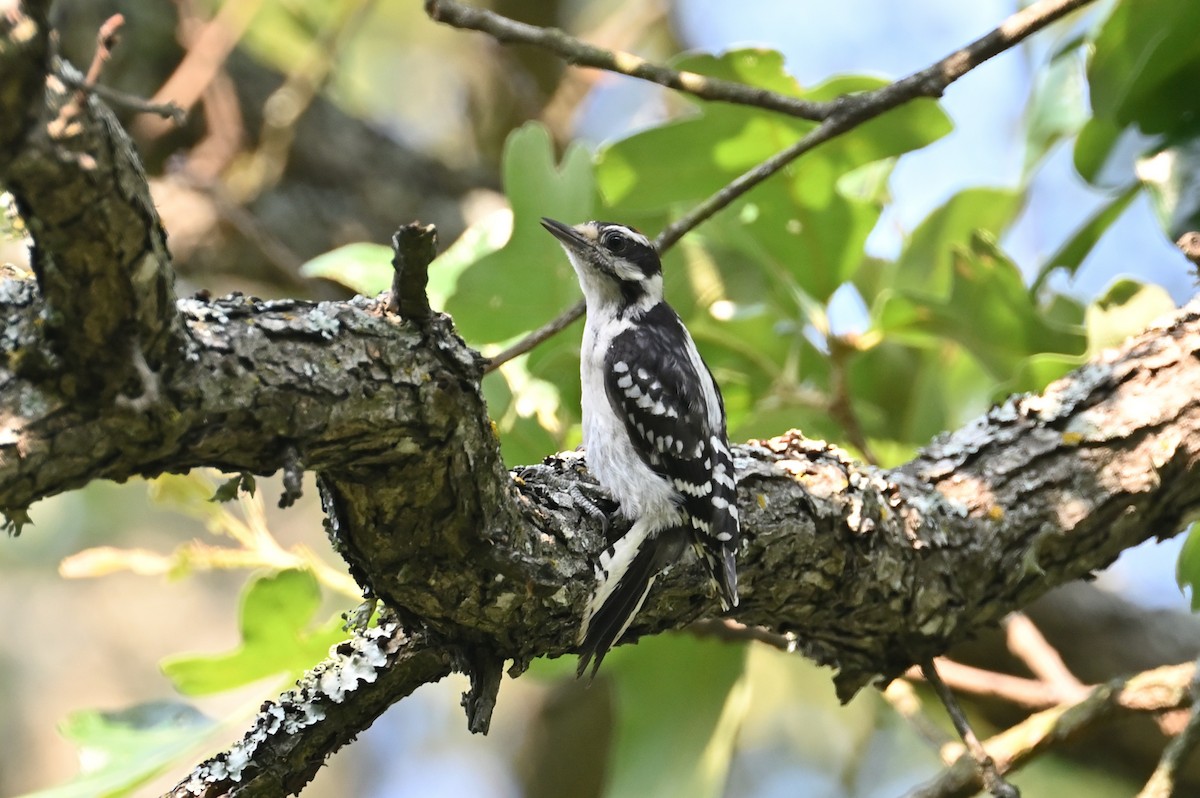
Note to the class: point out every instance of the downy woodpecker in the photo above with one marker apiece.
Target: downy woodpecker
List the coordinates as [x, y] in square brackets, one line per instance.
[653, 431]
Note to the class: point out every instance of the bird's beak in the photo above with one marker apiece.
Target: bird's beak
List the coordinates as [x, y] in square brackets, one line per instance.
[570, 237]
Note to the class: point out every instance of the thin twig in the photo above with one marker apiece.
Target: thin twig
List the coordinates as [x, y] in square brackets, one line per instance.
[846, 113]
[106, 40]
[1026, 641]
[107, 37]
[554, 327]
[901, 696]
[629, 21]
[992, 780]
[125, 100]
[1161, 783]
[580, 53]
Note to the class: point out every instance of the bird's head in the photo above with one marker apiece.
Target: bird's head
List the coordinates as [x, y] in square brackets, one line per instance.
[614, 262]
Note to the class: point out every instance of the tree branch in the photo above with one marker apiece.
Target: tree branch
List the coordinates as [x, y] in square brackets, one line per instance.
[99, 252]
[579, 53]
[329, 707]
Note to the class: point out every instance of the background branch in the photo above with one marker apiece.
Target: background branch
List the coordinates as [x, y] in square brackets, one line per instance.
[1162, 781]
[1154, 691]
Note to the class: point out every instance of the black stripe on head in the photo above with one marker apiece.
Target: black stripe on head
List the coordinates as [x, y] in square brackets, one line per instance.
[627, 244]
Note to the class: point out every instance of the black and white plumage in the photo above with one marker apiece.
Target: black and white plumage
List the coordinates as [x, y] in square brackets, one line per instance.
[653, 431]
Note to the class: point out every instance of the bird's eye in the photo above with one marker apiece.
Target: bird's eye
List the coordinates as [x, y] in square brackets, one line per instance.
[615, 243]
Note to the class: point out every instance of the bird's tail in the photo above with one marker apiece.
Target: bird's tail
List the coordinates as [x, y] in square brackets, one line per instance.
[626, 571]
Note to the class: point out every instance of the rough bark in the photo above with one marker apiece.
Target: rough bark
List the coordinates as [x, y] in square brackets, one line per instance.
[104, 375]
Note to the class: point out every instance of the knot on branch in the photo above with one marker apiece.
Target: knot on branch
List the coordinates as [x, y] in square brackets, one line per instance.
[415, 247]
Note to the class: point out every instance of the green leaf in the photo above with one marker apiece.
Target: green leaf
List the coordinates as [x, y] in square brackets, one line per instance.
[1104, 153]
[518, 403]
[658, 682]
[1145, 64]
[987, 309]
[1187, 570]
[1173, 177]
[481, 239]
[366, 268]
[812, 219]
[925, 267]
[123, 749]
[1125, 309]
[688, 160]
[1057, 106]
[275, 617]
[1073, 251]
[529, 281]
[1035, 372]
[363, 268]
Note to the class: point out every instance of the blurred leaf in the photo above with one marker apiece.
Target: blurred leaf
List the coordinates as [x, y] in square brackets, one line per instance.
[529, 281]
[694, 157]
[1073, 251]
[1145, 64]
[1035, 372]
[987, 309]
[659, 682]
[1105, 153]
[1187, 570]
[479, 240]
[121, 750]
[812, 219]
[1173, 177]
[1142, 77]
[525, 411]
[819, 246]
[283, 31]
[1057, 106]
[1125, 309]
[906, 395]
[364, 268]
[275, 616]
[925, 267]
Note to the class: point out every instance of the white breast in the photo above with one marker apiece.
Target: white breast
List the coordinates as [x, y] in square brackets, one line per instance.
[611, 456]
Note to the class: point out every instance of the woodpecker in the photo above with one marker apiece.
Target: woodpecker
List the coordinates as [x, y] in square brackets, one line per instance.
[653, 431]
